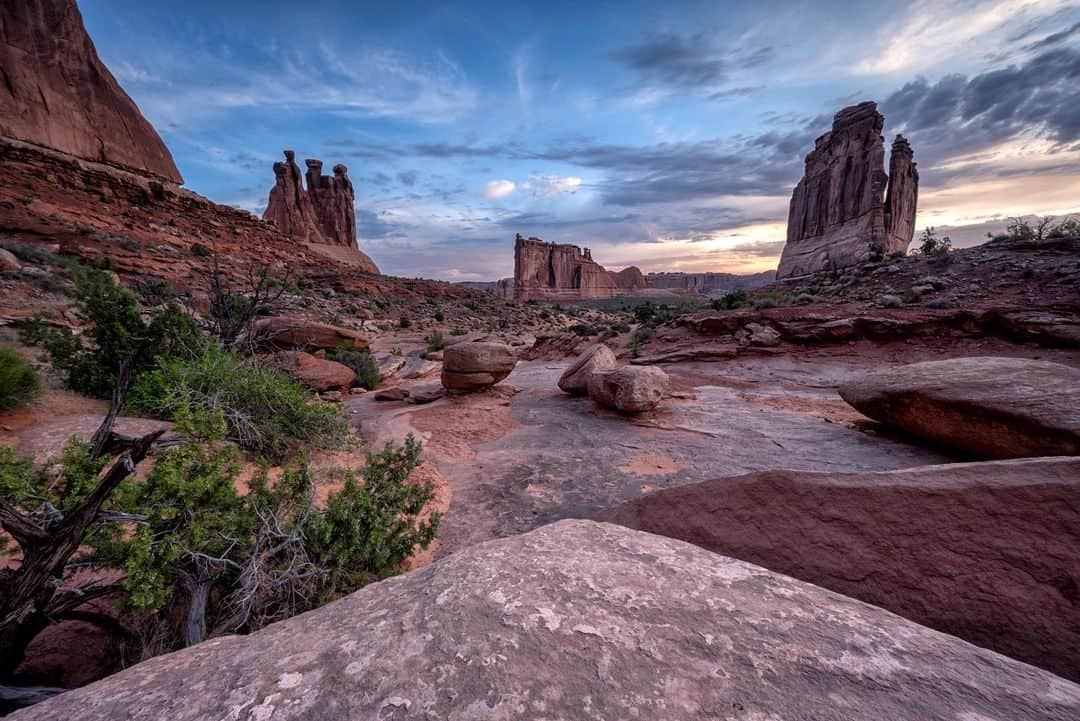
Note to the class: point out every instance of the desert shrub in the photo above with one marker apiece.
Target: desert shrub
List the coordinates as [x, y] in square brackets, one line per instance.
[18, 379]
[638, 338]
[404, 322]
[435, 340]
[205, 559]
[458, 332]
[731, 301]
[940, 304]
[265, 410]
[935, 248]
[1068, 228]
[117, 330]
[439, 316]
[362, 362]
[584, 329]
[877, 253]
[200, 251]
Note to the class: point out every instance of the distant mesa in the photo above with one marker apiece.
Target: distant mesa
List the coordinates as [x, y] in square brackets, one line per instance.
[845, 207]
[57, 93]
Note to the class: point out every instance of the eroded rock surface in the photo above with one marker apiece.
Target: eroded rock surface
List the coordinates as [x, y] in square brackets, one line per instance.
[595, 358]
[992, 407]
[838, 210]
[316, 373]
[630, 389]
[56, 92]
[475, 366]
[581, 620]
[989, 552]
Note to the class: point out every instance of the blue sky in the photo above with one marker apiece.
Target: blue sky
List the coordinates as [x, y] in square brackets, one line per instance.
[666, 135]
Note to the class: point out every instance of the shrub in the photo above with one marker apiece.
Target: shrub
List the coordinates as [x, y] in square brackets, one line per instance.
[730, 301]
[404, 322]
[584, 329]
[435, 340]
[117, 331]
[362, 362]
[937, 249]
[439, 316]
[200, 251]
[265, 410]
[638, 338]
[18, 379]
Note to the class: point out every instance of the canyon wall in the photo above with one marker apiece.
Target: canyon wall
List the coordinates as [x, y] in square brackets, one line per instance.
[323, 213]
[838, 211]
[708, 282]
[57, 93]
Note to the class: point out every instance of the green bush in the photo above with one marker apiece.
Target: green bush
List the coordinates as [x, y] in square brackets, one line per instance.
[362, 362]
[404, 322]
[931, 245]
[18, 379]
[435, 340]
[117, 329]
[265, 410]
[730, 301]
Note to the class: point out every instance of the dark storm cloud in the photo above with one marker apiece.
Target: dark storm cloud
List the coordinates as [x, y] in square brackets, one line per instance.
[959, 114]
[1055, 38]
[676, 60]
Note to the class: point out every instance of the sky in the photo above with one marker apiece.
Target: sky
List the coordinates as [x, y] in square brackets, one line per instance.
[664, 135]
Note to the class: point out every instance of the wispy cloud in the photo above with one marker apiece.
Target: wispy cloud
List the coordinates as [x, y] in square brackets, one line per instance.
[499, 189]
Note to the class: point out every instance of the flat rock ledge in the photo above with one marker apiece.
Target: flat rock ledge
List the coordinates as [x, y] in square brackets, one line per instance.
[581, 620]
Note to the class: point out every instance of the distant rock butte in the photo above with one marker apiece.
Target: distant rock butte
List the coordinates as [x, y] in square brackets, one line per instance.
[988, 552]
[709, 282]
[558, 272]
[57, 93]
[322, 213]
[841, 209]
[581, 620]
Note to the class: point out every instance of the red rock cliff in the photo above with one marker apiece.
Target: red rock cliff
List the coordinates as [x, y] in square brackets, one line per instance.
[56, 92]
[838, 210]
[549, 271]
[323, 213]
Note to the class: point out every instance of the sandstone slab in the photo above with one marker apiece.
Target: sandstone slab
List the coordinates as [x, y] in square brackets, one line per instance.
[581, 620]
[988, 552]
[595, 358]
[475, 366]
[630, 389]
[991, 407]
[285, 333]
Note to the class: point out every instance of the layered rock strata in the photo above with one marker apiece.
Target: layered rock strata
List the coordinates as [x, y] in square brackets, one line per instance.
[561, 272]
[845, 207]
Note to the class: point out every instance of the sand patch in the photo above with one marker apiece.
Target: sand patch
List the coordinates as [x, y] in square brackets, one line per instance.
[651, 464]
[453, 427]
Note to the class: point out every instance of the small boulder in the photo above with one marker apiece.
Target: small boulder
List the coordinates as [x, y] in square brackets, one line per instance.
[428, 393]
[8, 261]
[315, 373]
[630, 389]
[595, 358]
[475, 366]
[761, 335]
[992, 407]
[395, 393]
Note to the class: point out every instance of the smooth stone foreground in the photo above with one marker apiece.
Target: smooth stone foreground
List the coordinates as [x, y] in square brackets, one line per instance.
[992, 407]
[581, 620]
[989, 552]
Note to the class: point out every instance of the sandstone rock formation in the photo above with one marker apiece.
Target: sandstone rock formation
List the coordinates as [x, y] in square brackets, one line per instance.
[289, 333]
[333, 197]
[557, 272]
[323, 213]
[580, 619]
[630, 389]
[474, 366]
[595, 358]
[56, 92]
[838, 210]
[992, 407]
[988, 552]
[318, 374]
[289, 205]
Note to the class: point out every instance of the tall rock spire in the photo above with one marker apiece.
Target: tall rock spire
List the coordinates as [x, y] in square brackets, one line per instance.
[837, 215]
